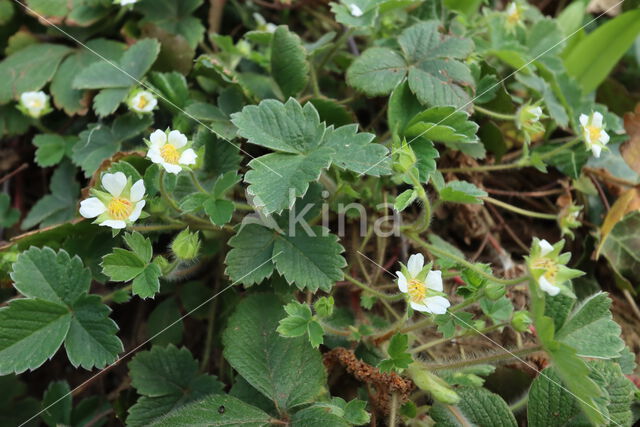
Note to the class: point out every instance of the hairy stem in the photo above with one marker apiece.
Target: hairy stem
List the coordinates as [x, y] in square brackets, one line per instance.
[494, 114]
[520, 211]
[492, 358]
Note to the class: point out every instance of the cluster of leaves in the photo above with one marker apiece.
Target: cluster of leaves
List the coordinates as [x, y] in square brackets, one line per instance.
[411, 97]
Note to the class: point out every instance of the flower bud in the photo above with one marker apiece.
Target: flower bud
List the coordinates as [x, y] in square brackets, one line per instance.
[324, 306]
[521, 321]
[186, 245]
[403, 157]
[494, 291]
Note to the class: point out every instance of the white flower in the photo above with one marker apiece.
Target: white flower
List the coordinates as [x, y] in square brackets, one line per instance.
[514, 14]
[171, 150]
[593, 132]
[35, 104]
[143, 102]
[124, 2]
[419, 289]
[120, 206]
[263, 25]
[548, 279]
[536, 112]
[355, 10]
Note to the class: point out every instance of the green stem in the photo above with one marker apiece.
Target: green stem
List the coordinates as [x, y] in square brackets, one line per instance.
[165, 195]
[436, 250]
[519, 404]
[371, 290]
[194, 221]
[494, 114]
[518, 210]
[428, 320]
[559, 149]
[157, 227]
[341, 40]
[334, 331]
[197, 184]
[315, 86]
[425, 219]
[483, 168]
[492, 358]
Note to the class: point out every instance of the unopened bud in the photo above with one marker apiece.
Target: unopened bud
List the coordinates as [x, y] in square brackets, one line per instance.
[521, 321]
[186, 245]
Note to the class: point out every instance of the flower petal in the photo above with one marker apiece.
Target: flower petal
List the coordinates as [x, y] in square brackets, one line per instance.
[188, 157]
[415, 264]
[137, 191]
[175, 169]
[548, 287]
[437, 304]
[158, 138]
[596, 120]
[177, 139]
[604, 137]
[596, 150]
[434, 280]
[137, 211]
[402, 282]
[113, 223]
[92, 207]
[154, 154]
[545, 247]
[114, 183]
[419, 307]
[584, 119]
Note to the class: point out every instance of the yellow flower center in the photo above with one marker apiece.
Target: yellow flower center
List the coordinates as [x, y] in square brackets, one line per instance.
[549, 266]
[120, 208]
[513, 17]
[142, 102]
[594, 133]
[417, 291]
[170, 154]
[36, 103]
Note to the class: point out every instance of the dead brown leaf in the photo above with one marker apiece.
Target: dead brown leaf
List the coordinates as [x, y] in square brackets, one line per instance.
[630, 150]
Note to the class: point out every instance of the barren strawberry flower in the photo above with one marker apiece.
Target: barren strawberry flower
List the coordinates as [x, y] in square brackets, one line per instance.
[593, 132]
[120, 205]
[355, 10]
[34, 104]
[528, 120]
[142, 102]
[124, 2]
[548, 267]
[423, 286]
[171, 150]
[514, 13]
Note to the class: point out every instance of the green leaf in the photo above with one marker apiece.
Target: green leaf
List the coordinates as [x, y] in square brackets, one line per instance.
[60, 205]
[31, 331]
[377, 71]
[52, 148]
[248, 261]
[316, 334]
[317, 416]
[56, 404]
[122, 265]
[91, 340]
[289, 66]
[216, 410]
[399, 358]
[356, 152]
[165, 325]
[461, 192]
[550, 404]
[47, 275]
[173, 86]
[622, 247]
[147, 283]
[29, 69]
[8, 215]
[219, 211]
[477, 406]
[174, 16]
[277, 179]
[404, 199]
[295, 324]
[619, 392]
[499, 311]
[167, 378]
[140, 245]
[286, 370]
[310, 261]
[590, 329]
[608, 43]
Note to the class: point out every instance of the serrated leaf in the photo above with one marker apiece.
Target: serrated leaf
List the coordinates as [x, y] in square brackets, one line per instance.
[165, 325]
[47, 275]
[287, 370]
[619, 392]
[56, 404]
[167, 378]
[60, 205]
[377, 71]
[289, 66]
[477, 406]
[590, 329]
[356, 152]
[140, 245]
[446, 125]
[316, 416]
[122, 265]
[462, 192]
[8, 215]
[404, 199]
[219, 211]
[31, 331]
[52, 148]
[312, 262]
[147, 283]
[399, 358]
[252, 248]
[208, 411]
[91, 340]
[295, 324]
[29, 69]
[315, 333]
[622, 246]
[550, 405]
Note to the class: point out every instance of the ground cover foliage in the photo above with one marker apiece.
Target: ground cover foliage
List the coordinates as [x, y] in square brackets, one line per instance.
[362, 212]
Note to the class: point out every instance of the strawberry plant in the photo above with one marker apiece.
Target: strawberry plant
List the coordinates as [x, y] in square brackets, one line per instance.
[300, 213]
